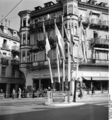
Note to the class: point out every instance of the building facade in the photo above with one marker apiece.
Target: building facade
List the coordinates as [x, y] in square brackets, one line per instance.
[10, 75]
[90, 53]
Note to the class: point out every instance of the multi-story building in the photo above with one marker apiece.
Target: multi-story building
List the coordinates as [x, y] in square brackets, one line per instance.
[10, 75]
[69, 13]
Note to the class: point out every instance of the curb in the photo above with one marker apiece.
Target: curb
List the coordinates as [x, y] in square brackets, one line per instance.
[64, 104]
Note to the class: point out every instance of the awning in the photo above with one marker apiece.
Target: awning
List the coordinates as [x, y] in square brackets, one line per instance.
[96, 78]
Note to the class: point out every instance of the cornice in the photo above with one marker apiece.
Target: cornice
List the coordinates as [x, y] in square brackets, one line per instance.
[59, 7]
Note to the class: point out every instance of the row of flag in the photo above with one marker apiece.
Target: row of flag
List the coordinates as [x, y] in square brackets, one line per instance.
[60, 47]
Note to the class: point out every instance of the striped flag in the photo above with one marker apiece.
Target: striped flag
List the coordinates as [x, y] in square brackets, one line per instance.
[60, 41]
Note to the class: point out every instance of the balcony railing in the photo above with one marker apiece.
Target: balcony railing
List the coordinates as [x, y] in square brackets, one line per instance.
[100, 42]
[37, 26]
[98, 61]
[102, 24]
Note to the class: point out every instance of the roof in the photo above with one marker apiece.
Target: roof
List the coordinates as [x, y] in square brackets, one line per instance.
[9, 33]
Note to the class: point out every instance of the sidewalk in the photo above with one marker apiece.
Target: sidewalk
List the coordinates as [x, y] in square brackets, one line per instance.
[98, 96]
[41, 101]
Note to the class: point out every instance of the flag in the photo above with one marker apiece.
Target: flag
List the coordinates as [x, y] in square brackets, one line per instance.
[60, 41]
[70, 42]
[67, 33]
[47, 48]
[58, 63]
[83, 42]
[47, 45]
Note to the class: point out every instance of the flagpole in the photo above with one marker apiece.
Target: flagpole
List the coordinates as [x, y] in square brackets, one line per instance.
[77, 72]
[50, 71]
[63, 59]
[57, 54]
[69, 70]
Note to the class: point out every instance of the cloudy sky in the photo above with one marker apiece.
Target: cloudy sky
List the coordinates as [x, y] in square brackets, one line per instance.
[7, 5]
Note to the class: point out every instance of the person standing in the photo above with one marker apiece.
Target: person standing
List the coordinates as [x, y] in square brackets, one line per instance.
[19, 93]
[13, 93]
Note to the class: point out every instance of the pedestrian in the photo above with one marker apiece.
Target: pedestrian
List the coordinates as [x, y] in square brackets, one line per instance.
[92, 90]
[1, 91]
[19, 93]
[33, 93]
[13, 93]
[80, 91]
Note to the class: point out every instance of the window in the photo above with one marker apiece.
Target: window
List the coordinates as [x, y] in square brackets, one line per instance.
[4, 53]
[3, 71]
[24, 22]
[13, 72]
[23, 56]
[95, 34]
[28, 39]
[24, 39]
[4, 45]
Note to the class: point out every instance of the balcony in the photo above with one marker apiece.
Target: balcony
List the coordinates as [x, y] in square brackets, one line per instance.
[98, 61]
[100, 42]
[14, 62]
[4, 61]
[49, 24]
[99, 24]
